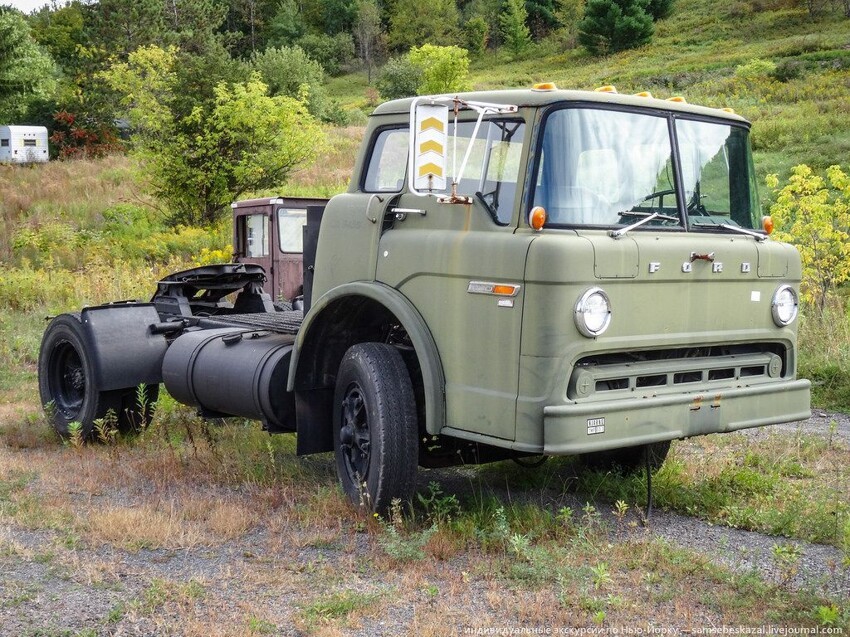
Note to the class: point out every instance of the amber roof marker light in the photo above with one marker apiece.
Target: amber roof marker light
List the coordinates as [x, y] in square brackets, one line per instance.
[767, 224]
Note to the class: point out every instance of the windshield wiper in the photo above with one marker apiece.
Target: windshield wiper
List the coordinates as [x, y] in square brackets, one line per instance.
[750, 233]
[647, 217]
[480, 196]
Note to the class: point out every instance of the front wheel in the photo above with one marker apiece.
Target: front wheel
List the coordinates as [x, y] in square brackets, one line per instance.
[375, 426]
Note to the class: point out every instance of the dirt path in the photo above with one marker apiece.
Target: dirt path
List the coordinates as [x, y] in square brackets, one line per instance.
[267, 580]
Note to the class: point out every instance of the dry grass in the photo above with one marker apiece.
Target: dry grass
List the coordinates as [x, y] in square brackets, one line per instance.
[286, 549]
[80, 189]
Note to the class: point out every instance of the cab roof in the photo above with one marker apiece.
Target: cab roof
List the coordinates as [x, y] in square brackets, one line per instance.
[537, 98]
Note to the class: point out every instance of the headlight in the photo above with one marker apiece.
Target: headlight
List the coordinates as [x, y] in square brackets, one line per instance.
[784, 305]
[593, 312]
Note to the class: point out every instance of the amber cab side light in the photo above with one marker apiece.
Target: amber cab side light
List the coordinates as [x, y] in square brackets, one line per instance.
[767, 224]
[545, 86]
[537, 217]
[608, 88]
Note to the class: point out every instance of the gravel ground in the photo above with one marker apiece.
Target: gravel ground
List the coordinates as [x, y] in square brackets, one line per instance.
[50, 586]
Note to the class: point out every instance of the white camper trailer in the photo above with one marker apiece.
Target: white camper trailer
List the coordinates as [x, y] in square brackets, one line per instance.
[23, 144]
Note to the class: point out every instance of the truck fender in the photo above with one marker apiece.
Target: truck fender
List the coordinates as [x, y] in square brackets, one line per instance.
[124, 350]
[302, 382]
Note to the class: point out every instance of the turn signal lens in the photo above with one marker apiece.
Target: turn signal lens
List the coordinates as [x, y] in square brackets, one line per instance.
[505, 290]
[537, 217]
[608, 88]
[767, 224]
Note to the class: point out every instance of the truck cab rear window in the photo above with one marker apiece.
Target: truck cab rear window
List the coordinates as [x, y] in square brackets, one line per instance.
[29, 142]
[290, 227]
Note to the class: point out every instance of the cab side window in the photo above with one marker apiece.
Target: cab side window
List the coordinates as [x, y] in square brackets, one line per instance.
[388, 162]
[253, 235]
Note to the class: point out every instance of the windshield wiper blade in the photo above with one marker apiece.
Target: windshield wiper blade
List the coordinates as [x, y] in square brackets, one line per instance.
[647, 217]
[758, 236]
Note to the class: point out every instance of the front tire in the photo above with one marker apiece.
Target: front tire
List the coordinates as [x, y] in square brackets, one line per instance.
[375, 426]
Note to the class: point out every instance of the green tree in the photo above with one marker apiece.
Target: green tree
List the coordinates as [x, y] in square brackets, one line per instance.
[813, 213]
[542, 17]
[399, 78]
[609, 26]
[338, 15]
[287, 25]
[445, 69]
[490, 11]
[477, 33]
[368, 33]
[119, 27]
[412, 23]
[512, 24]
[569, 13]
[333, 52]
[240, 140]
[289, 71]
[27, 73]
[62, 32]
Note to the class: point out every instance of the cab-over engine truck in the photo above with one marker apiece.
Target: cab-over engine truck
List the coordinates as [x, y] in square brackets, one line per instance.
[510, 274]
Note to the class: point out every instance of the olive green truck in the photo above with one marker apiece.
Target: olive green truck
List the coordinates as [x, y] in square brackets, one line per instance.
[509, 274]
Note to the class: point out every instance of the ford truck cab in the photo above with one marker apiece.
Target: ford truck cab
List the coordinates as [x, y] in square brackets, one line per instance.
[509, 274]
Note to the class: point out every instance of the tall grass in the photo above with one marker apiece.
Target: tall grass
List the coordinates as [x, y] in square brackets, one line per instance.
[824, 342]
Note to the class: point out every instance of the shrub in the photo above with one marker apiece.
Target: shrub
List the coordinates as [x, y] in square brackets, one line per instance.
[74, 138]
[813, 213]
[290, 72]
[755, 68]
[399, 78]
[445, 69]
[333, 52]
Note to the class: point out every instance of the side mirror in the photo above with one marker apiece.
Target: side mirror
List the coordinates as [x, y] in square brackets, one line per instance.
[428, 152]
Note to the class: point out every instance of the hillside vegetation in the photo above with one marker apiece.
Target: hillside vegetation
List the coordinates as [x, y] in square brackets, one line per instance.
[86, 231]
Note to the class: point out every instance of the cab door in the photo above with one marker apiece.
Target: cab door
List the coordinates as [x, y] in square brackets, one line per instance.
[252, 242]
[462, 265]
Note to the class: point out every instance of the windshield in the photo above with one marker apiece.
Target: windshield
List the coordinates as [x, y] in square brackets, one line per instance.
[717, 174]
[611, 169]
[606, 168]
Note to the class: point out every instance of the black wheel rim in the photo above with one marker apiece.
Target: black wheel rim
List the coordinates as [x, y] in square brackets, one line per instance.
[67, 380]
[354, 437]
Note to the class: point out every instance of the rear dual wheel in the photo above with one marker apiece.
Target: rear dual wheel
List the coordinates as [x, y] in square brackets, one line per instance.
[375, 426]
[66, 384]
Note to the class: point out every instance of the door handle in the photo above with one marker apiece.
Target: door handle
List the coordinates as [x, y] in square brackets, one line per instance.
[401, 213]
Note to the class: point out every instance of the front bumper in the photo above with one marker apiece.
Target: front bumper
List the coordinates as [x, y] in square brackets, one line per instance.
[610, 424]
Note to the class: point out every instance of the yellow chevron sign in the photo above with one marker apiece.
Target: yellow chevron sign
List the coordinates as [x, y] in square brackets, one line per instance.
[431, 145]
[432, 122]
[429, 168]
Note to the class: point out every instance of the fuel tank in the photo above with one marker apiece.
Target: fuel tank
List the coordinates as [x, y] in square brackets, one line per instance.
[233, 371]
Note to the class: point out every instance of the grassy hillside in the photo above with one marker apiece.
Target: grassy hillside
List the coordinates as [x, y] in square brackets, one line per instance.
[801, 111]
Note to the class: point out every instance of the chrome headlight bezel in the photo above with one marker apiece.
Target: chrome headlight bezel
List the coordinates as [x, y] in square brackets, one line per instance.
[584, 308]
[779, 305]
